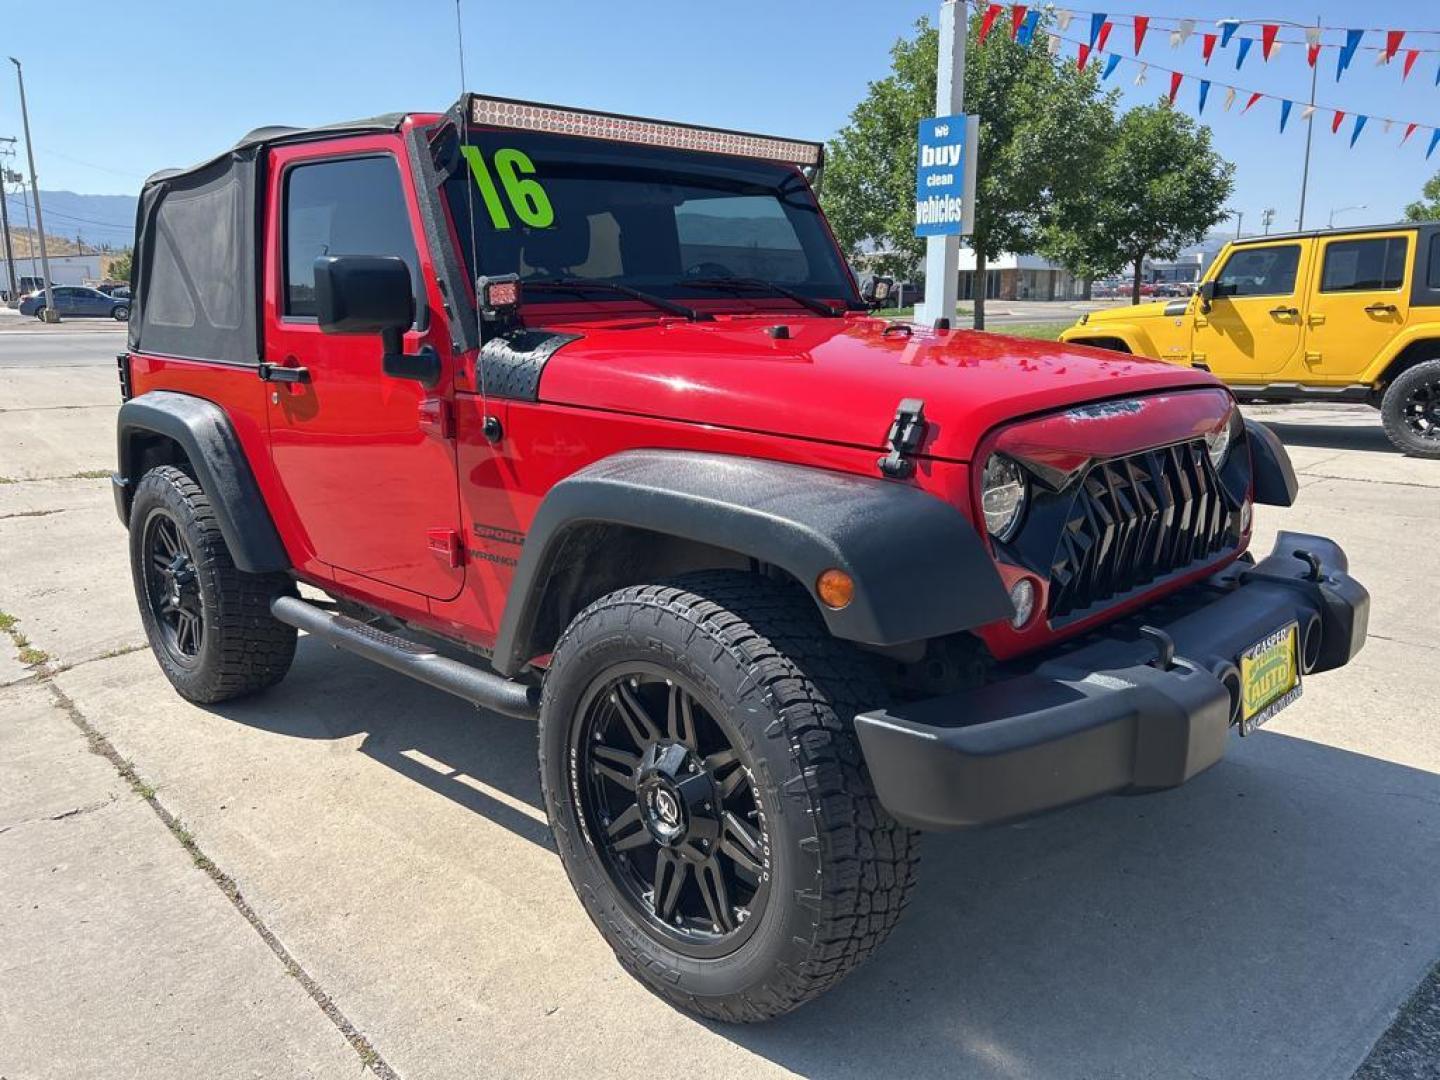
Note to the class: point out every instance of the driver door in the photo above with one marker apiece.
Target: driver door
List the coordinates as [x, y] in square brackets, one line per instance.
[1255, 326]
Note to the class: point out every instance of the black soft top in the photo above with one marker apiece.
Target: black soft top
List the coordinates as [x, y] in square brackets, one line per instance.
[196, 273]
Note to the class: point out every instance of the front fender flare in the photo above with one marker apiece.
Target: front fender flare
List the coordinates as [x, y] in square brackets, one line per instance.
[920, 568]
[204, 433]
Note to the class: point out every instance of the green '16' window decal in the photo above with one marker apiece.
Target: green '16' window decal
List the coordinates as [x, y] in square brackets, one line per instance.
[527, 198]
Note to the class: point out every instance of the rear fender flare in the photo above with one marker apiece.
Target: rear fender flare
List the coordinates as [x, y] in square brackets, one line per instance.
[216, 459]
[920, 569]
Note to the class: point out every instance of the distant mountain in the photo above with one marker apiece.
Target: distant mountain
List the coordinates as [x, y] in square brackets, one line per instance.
[97, 220]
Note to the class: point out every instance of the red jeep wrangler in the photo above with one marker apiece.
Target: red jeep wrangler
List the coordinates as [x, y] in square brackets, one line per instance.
[580, 417]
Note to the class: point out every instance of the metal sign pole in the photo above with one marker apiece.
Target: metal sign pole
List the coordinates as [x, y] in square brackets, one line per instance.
[942, 253]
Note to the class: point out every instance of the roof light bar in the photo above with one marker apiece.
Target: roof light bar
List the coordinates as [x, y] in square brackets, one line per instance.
[530, 116]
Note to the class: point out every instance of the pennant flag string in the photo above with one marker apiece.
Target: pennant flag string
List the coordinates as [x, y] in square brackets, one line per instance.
[1142, 23]
[1207, 47]
[1027, 28]
[1017, 20]
[1085, 53]
[1267, 39]
[1105, 29]
[1434, 140]
[987, 21]
[1243, 52]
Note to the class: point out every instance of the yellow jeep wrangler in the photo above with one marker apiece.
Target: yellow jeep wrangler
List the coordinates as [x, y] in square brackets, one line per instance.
[1340, 315]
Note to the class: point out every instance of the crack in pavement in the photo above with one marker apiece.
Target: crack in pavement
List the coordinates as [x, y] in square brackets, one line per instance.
[62, 816]
[369, 1057]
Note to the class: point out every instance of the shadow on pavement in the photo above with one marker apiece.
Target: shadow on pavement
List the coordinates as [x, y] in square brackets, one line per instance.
[1262, 921]
[1334, 437]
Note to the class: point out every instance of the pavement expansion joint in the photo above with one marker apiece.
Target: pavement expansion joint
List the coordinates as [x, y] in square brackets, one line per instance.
[369, 1057]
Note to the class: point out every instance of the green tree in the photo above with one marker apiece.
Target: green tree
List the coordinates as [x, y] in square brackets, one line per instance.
[1041, 121]
[1426, 208]
[1160, 187]
[119, 269]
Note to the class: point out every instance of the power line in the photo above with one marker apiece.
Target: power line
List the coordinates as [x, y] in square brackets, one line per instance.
[92, 165]
[84, 221]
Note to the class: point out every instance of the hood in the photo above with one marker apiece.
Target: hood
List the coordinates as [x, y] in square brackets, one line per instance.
[1154, 309]
[838, 380]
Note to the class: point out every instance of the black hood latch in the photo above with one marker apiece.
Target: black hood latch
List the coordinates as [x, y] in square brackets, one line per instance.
[907, 432]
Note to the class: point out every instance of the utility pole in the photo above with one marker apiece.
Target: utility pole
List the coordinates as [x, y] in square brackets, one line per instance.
[1267, 217]
[5, 227]
[1309, 136]
[51, 315]
[15, 178]
[1239, 218]
[942, 253]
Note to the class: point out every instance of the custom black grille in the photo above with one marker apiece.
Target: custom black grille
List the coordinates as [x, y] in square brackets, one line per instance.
[1134, 521]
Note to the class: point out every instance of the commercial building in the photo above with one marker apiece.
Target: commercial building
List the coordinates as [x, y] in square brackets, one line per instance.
[1020, 277]
[64, 270]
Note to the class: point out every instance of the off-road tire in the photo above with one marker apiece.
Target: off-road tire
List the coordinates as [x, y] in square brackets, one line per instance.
[1392, 409]
[841, 868]
[244, 649]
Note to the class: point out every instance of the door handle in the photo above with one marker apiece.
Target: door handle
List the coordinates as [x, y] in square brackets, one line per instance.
[1279, 311]
[1381, 309]
[280, 373]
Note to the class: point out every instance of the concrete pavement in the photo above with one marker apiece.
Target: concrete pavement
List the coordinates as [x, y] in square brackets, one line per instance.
[1268, 919]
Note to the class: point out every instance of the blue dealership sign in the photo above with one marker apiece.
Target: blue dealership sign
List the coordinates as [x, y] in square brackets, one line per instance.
[945, 176]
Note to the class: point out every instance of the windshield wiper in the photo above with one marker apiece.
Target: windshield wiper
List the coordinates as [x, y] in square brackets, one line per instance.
[750, 284]
[578, 284]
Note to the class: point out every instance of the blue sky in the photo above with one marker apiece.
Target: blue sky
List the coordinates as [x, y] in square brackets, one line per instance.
[118, 91]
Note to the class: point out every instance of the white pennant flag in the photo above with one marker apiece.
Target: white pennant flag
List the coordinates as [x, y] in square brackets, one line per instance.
[1063, 17]
[1175, 39]
[1307, 112]
[1187, 27]
[1140, 76]
[1052, 46]
[1312, 35]
[1388, 125]
[1380, 58]
[1229, 97]
[1274, 48]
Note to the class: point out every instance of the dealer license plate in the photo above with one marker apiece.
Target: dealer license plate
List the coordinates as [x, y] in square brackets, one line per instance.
[1269, 677]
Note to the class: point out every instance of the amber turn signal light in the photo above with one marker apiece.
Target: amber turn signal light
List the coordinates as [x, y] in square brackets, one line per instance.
[835, 588]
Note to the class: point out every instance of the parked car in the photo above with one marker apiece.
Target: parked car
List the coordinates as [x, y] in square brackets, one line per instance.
[1334, 315]
[121, 291]
[77, 300]
[595, 400]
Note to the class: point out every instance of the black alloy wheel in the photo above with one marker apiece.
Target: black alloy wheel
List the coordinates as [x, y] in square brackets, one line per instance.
[1410, 410]
[172, 585]
[671, 810]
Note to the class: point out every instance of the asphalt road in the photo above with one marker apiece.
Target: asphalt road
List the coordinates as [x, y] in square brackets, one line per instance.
[353, 869]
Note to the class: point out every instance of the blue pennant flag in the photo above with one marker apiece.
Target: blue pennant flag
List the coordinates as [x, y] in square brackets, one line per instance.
[1097, 20]
[1245, 44]
[1285, 114]
[1204, 93]
[1359, 127]
[1347, 51]
[1111, 63]
[1434, 141]
[1227, 31]
[1027, 28]
[1437, 74]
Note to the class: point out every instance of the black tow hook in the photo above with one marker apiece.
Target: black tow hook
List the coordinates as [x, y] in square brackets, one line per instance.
[1310, 559]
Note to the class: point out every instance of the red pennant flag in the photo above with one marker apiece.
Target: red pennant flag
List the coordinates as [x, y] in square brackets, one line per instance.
[1142, 23]
[1175, 79]
[1207, 47]
[1104, 35]
[1017, 16]
[1267, 39]
[1409, 130]
[1411, 55]
[1392, 43]
[1083, 57]
[1253, 98]
[987, 22]
[1335, 124]
[1312, 53]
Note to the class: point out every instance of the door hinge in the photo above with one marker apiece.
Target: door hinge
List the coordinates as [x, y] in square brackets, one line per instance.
[907, 432]
[447, 546]
[437, 418]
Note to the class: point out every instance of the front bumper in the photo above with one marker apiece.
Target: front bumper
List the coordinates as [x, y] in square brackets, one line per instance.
[1106, 715]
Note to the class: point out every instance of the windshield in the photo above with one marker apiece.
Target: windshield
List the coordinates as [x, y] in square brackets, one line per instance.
[669, 222]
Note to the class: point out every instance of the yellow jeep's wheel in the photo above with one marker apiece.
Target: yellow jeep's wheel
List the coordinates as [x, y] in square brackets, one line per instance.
[708, 796]
[1410, 410]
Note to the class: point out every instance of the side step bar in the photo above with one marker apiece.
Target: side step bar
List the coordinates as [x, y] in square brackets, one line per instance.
[483, 688]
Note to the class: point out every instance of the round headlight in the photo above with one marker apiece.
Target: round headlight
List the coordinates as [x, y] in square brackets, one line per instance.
[1002, 497]
[1217, 442]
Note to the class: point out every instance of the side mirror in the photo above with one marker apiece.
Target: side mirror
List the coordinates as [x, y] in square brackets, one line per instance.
[1207, 295]
[372, 294]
